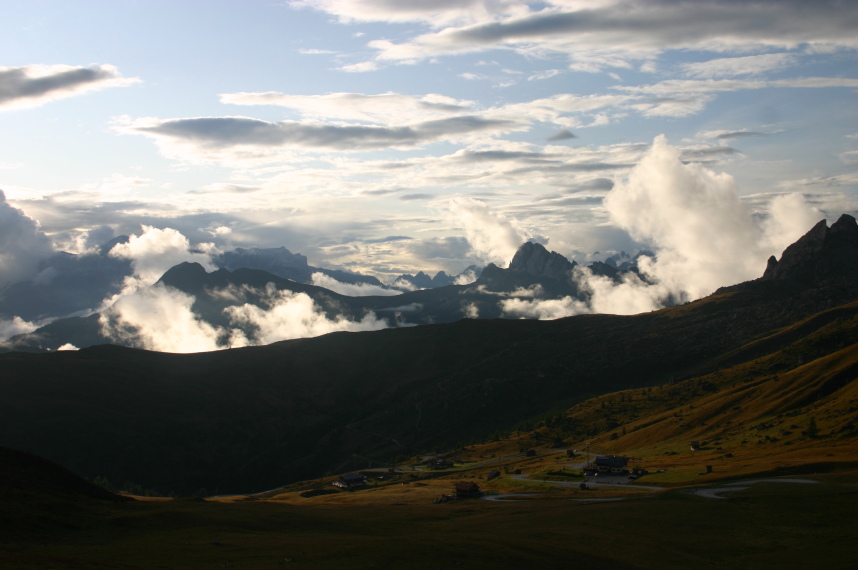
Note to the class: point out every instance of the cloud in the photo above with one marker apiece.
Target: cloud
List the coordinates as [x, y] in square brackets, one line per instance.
[704, 236]
[471, 311]
[731, 135]
[544, 309]
[35, 85]
[242, 139]
[156, 250]
[789, 217]
[286, 315]
[492, 237]
[733, 66]
[350, 289]
[159, 318]
[615, 33]
[22, 244]
[563, 135]
[388, 108]
[686, 86]
[432, 12]
[15, 326]
[151, 254]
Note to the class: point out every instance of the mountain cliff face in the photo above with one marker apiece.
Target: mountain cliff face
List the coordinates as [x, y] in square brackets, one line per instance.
[533, 259]
[822, 255]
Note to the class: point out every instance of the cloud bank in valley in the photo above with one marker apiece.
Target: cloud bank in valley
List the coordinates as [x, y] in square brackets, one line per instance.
[161, 318]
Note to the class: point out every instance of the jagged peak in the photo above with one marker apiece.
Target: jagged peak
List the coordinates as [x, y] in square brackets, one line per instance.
[822, 254]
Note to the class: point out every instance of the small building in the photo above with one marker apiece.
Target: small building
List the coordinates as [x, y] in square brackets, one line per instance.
[695, 446]
[467, 490]
[493, 474]
[570, 453]
[611, 465]
[350, 481]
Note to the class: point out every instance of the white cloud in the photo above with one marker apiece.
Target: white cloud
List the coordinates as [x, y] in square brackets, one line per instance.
[432, 12]
[471, 311]
[686, 86]
[789, 217]
[67, 346]
[733, 66]
[361, 67]
[703, 235]
[492, 237]
[242, 140]
[288, 315]
[35, 85]
[156, 250]
[15, 326]
[159, 318]
[351, 289]
[387, 108]
[544, 309]
[595, 35]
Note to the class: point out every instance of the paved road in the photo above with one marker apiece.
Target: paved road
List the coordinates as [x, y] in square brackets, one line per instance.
[715, 492]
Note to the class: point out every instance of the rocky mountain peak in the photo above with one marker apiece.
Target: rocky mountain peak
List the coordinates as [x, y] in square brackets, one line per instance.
[822, 254]
[533, 259]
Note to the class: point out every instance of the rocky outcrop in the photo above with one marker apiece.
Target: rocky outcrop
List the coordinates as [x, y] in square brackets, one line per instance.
[822, 255]
[534, 259]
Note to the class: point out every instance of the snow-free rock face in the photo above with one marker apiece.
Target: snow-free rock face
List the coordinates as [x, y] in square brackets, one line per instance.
[534, 259]
[822, 254]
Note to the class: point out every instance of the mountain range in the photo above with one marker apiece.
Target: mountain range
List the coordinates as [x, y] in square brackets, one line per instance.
[534, 273]
[258, 417]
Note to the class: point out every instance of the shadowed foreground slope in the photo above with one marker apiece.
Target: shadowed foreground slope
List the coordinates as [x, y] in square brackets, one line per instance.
[255, 418]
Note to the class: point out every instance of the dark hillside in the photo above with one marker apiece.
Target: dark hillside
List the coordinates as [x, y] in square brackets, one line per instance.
[255, 418]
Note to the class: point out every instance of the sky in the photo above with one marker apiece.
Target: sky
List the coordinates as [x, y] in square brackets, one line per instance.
[393, 136]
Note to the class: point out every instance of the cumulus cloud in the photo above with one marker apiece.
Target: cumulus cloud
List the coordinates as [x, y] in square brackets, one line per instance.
[156, 250]
[543, 309]
[22, 244]
[350, 289]
[15, 326]
[159, 318]
[704, 236]
[492, 237]
[35, 85]
[286, 315]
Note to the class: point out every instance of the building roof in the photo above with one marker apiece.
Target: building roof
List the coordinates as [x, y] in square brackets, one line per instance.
[612, 461]
[353, 477]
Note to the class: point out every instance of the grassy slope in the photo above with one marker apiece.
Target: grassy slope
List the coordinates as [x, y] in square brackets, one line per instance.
[763, 388]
